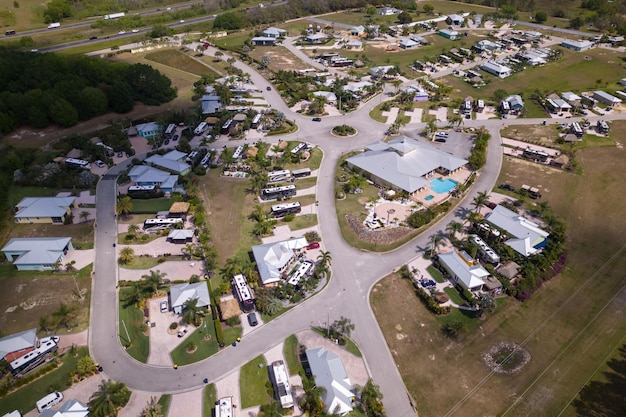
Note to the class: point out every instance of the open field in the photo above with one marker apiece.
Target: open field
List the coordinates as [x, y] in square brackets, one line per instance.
[176, 59]
[569, 326]
[252, 383]
[547, 135]
[280, 58]
[571, 70]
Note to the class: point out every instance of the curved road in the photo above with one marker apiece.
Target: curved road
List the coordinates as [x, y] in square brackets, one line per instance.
[354, 271]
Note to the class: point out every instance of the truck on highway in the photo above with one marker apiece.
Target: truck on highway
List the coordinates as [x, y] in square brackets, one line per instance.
[54, 25]
[114, 15]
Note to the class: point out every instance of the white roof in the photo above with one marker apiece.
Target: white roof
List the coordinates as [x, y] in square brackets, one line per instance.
[179, 234]
[175, 155]
[43, 206]
[403, 162]
[316, 36]
[356, 87]
[263, 39]
[72, 408]
[181, 293]
[456, 17]
[407, 43]
[37, 251]
[329, 372]
[382, 69]
[527, 236]
[577, 44]
[558, 103]
[492, 66]
[172, 165]
[144, 174]
[607, 96]
[18, 341]
[148, 127]
[469, 276]
[330, 96]
[274, 31]
[271, 258]
[569, 96]
[449, 32]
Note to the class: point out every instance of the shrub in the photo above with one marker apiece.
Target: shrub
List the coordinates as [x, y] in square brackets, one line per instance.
[289, 217]
[219, 333]
[312, 236]
[429, 302]
[233, 321]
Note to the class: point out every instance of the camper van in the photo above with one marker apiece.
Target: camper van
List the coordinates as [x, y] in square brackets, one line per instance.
[49, 401]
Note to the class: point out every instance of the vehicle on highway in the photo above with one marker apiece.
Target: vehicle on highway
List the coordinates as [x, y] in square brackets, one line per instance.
[252, 320]
[164, 307]
[54, 25]
[313, 245]
[168, 9]
[100, 164]
[121, 32]
[135, 30]
[182, 21]
[9, 32]
[182, 331]
[317, 119]
[93, 38]
[34, 50]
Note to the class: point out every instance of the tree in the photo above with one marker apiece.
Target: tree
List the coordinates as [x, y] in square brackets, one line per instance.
[371, 399]
[133, 230]
[124, 206]
[110, 397]
[44, 324]
[404, 18]
[541, 17]
[273, 409]
[396, 84]
[85, 366]
[486, 303]
[343, 326]
[192, 314]
[153, 409]
[228, 21]
[84, 215]
[481, 199]
[127, 255]
[436, 240]
[454, 329]
[153, 279]
[64, 315]
[499, 95]
[577, 22]
[322, 268]
[428, 8]
[311, 401]
[133, 296]
[453, 228]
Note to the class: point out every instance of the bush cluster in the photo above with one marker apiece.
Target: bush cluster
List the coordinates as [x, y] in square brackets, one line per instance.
[478, 157]
[429, 302]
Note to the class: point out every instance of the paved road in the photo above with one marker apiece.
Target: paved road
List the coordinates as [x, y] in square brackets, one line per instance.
[354, 271]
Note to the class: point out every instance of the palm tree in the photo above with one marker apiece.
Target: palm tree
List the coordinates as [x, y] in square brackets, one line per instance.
[343, 326]
[44, 324]
[436, 240]
[473, 218]
[84, 215]
[263, 228]
[110, 397]
[133, 229]
[312, 399]
[153, 409]
[126, 255]
[153, 280]
[325, 258]
[231, 267]
[453, 228]
[371, 399]
[133, 296]
[396, 84]
[322, 269]
[64, 315]
[481, 199]
[124, 206]
[273, 409]
[191, 312]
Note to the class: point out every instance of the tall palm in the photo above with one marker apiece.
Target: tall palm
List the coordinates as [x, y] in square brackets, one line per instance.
[371, 399]
[124, 206]
[191, 312]
[325, 258]
[481, 199]
[436, 240]
[64, 315]
[126, 255]
[231, 267]
[343, 326]
[44, 324]
[453, 228]
[133, 229]
[110, 397]
[312, 399]
[153, 279]
[473, 218]
[133, 295]
[153, 409]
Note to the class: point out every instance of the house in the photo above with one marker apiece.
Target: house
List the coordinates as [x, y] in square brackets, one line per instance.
[404, 164]
[263, 41]
[419, 39]
[515, 102]
[496, 69]
[316, 38]
[330, 374]
[181, 293]
[526, 237]
[449, 34]
[171, 161]
[606, 98]
[357, 31]
[486, 45]
[144, 175]
[331, 98]
[54, 210]
[558, 105]
[381, 71]
[354, 45]
[273, 258]
[455, 19]
[407, 43]
[16, 345]
[387, 11]
[622, 82]
[37, 254]
[71, 408]
[419, 94]
[577, 46]
[211, 104]
[533, 58]
[478, 19]
[273, 32]
[463, 270]
[149, 130]
[181, 236]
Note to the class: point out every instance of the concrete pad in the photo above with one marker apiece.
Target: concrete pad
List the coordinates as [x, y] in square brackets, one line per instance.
[77, 339]
[415, 115]
[186, 404]
[81, 392]
[275, 354]
[83, 257]
[229, 387]
[161, 342]
[173, 270]
[391, 115]
[138, 401]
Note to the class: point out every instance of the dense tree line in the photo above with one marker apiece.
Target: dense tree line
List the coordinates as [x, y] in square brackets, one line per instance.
[42, 89]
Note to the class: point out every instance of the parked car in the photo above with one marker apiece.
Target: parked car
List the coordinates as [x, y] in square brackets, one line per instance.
[317, 119]
[164, 306]
[175, 138]
[252, 320]
[313, 245]
[167, 141]
[268, 88]
[120, 154]
[507, 187]
[182, 331]
[440, 140]
[100, 164]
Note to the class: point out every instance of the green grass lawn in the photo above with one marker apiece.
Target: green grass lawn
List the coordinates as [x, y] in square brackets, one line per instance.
[301, 222]
[313, 162]
[151, 206]
[143, 262]
[24, 399]
[307, 182]
[209, 398]
[252, 379]
[177, 59]
[204, 347]
[130, 328]
[233, 42]
[141, 239]
[164, 401]
[291, 351]
[377, 114]
[434, 272]
[455, 296]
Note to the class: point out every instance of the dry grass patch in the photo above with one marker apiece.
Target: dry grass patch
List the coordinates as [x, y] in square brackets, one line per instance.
[180, 60]
[280, 58]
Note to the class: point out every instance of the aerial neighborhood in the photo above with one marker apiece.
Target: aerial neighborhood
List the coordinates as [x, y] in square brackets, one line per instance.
[312, 209]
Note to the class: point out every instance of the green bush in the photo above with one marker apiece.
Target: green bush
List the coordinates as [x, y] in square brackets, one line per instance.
[429, 302]
[233, 321]
[173, 325]
[219, 333]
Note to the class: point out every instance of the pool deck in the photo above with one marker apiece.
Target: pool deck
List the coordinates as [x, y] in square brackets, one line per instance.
[420, 197]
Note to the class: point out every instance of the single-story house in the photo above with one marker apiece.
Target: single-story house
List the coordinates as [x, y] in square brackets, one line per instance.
[181, 236]
[534, 58]
[16, 345]
[381, 71]
[558, 105]
[577, 46]
[211, 104]
[331, 98]
[464, 270]
[330, 374]
[606, 98]
[149, 130]
[449, 34]
[53, 210]
[171, 161]
[316, 38]
[273, 32]
[407, 43]
[143, 175]
[455, 19]
[419, 93]
[419, 39]
[273, 258]
[354, 44]
[263, 41]
[571, 98]
[527, 237]
[357, 30]
[387, 11]
[357, 88]
[37, 254]
[487, 45]
[496, 69]
[71, 408]
[181, 293]
[515, 102]
[404, 164]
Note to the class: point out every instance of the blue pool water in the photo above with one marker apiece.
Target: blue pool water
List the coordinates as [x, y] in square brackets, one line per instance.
[429, 197]
[442, 186]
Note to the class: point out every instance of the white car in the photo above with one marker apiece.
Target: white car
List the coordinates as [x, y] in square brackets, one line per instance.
[182, 21]
[164, 306]
[182, 331]
[100, 164]
[121, 32]
[168, 9]
[135, 30]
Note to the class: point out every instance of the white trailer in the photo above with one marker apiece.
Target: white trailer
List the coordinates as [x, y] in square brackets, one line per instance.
[114, 15]
[54, 25]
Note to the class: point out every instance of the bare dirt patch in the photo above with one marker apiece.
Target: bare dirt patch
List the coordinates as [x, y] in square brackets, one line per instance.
[279, 58]
[539, 134]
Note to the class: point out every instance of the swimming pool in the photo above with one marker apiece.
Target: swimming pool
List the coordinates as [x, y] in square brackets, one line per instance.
[442, 186]
[429, 197]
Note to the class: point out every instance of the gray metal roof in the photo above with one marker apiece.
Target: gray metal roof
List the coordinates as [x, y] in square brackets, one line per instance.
[181, 293]
[72, 408]
[175, 155]
[168, 164]
[271, 258]
[43, 206]
[142, 174]
[37, 251]
[469, 276]
[329, 372]
[18, 341]
[527, 235]
[179, 234]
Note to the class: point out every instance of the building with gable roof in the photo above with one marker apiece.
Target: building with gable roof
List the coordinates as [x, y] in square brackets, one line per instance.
[263, 41]
[496, 69]
[181, 236]
[404, 164]
[149, 130]
[72, 408]
[329, 373]
[272, 259]
[144, 175]
[51, 210]
[37, 254]
[464, 270]
[273, 32]
[455, 19]
[16, 345]
[171, 161]
[526, 237]
[181, 293]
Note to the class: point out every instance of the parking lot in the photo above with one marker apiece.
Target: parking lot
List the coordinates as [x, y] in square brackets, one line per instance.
[457, 143]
